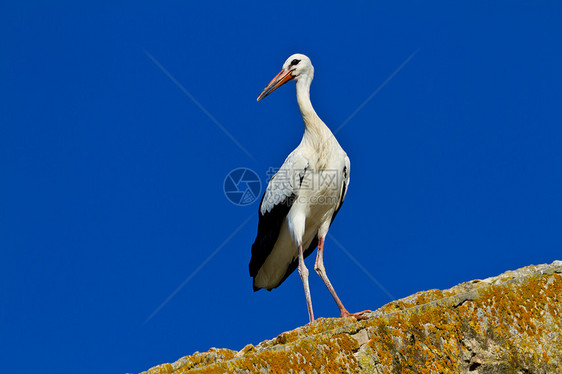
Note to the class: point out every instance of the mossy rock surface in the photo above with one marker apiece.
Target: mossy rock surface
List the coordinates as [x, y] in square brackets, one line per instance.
[511, 323]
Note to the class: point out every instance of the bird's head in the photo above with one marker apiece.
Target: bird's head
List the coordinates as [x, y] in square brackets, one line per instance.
[298, 66]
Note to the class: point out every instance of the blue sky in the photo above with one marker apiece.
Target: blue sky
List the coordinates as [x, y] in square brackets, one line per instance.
[119, 248]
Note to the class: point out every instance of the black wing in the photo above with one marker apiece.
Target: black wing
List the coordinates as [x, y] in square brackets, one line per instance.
[269, 226]
[275, 204]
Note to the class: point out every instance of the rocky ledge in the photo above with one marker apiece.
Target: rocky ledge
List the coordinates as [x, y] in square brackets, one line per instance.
[511, 323]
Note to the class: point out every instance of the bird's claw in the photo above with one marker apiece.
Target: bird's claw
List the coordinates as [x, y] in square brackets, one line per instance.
[357, 316]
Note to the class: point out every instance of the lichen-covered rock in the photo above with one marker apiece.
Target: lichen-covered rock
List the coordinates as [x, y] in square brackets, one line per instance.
[511, 323]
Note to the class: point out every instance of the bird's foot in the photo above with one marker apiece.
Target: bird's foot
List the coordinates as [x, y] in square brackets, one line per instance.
[358, 315]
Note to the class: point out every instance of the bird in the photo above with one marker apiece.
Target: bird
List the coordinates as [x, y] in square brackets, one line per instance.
[302, 198]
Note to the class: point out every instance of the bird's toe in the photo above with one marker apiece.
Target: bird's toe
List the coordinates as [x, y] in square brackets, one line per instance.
[359, 315]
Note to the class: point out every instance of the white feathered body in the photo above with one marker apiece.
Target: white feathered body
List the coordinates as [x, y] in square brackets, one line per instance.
[315, 175]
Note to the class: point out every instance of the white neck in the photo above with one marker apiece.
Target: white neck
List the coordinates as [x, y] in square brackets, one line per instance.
[315, 131]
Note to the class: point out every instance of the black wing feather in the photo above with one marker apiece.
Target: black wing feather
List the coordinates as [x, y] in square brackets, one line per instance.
[269, 226]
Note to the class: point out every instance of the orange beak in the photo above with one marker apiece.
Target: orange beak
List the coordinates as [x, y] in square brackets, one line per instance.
[280, 79]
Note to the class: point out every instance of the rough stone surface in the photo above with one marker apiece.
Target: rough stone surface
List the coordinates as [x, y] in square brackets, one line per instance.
[511, 323]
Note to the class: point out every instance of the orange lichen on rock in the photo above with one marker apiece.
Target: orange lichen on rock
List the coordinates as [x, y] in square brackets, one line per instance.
[506, 324]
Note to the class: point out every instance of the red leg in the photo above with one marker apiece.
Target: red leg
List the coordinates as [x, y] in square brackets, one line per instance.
[303, 272]
[319, 267]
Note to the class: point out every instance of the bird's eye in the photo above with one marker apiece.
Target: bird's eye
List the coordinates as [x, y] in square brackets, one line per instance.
[295, 61]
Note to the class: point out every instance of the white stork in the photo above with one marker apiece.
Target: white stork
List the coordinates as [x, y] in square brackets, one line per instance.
[302, 198]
